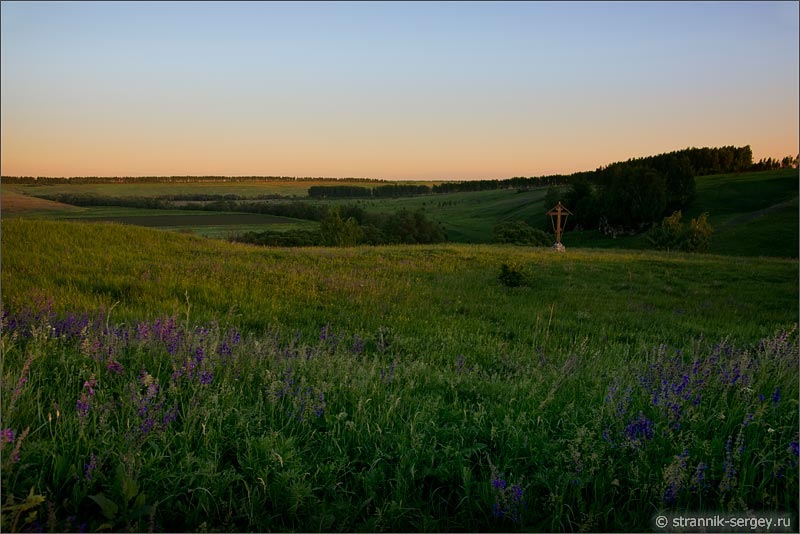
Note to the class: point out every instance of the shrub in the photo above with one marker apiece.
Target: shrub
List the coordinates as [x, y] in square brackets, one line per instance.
[520, 233]
[698, 236]
[672, 235]
[511, 275]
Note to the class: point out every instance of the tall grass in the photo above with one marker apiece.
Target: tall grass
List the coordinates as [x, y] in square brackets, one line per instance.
[187, 385]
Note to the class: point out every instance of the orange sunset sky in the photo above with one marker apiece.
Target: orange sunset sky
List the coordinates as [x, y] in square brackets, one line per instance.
[395, 90]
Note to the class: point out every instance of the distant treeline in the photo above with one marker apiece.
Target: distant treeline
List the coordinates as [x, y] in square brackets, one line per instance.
[50, 180]
[296, 210]
[354, 191]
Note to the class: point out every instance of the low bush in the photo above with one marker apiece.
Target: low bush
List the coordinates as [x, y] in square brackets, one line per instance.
[671, 234]
[521, 233]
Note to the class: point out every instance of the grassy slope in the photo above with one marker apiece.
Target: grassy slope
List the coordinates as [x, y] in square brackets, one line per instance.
[754, 214]
[623, 296]
[463, 380]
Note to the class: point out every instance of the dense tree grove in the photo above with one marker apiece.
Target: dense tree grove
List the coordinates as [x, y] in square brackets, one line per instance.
[640, 192]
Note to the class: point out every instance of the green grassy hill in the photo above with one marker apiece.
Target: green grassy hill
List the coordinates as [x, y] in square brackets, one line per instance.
[157, 381]
[753, 214]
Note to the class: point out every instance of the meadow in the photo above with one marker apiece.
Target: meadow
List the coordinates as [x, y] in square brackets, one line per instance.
[165, 382]
[753, 213]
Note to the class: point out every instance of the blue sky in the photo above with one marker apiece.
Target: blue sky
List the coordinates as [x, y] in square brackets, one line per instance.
[407, 90]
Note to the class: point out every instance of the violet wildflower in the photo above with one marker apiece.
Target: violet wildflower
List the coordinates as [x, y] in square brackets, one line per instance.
[115, 367]
[674, 477]
[206, 378]
[89, 468]
[698, 482]
[147, 425]
[509, 500]
[387, 376]
[90, 385]
[729, 478]
[170, 416]
[358, 345]
[83, 405]
[23, 379]
[639, 430]
[776, 396]
[6, 436]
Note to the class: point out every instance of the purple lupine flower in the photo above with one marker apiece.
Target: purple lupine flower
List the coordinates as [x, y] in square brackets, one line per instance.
[509, 501]
[83, 405]
[147, 425]
[89, 468]
[115, 367]
[6, 436]
[776, 396]
[90, 385]
[170, 416]
[639, 430]
[358, 345]
[793, 448]
[698, 482]
[206, 378]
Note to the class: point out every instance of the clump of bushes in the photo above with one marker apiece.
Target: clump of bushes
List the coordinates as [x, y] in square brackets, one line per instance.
[350, 225]
[672, 234]
[512, 274]
[520, 233]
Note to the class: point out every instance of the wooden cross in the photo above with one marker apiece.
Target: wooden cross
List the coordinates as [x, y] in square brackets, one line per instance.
[556, 213]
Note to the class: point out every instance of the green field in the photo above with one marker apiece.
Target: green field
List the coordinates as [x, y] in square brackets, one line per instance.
[175, 383]
[287, 188]
[753, 214]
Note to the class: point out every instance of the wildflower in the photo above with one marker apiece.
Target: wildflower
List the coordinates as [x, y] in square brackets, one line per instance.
[115, 367]
[169, 416]
[729, 478]
[206, 378]
[674, 476]
[90, 385]
[147, 425]
[6, 436]
[83, 405]
[698, 482]
[23, 379]
[18, 446]
[639, 430]
[89, 468]
[776, 396]
[358, 345]
[509, 501]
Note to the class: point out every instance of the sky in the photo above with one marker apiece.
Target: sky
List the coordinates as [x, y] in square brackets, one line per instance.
[389, 90]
